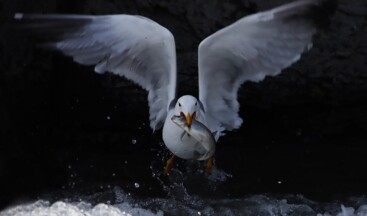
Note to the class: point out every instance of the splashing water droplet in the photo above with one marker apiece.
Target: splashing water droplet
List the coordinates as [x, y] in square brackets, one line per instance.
[136, 185]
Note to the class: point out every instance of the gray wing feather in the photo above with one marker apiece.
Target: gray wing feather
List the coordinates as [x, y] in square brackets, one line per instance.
[250, 49]
[134, 47]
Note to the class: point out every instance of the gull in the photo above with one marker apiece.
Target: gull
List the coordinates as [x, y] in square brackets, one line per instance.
[143, 51]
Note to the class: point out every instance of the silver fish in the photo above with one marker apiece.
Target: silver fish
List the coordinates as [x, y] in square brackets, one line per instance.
[200, 133]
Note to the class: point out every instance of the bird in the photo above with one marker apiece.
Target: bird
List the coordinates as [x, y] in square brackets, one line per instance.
[141, 50]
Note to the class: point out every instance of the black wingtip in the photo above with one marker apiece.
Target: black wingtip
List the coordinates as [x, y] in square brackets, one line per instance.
[322, 11]
[318, 12]
[49, 27]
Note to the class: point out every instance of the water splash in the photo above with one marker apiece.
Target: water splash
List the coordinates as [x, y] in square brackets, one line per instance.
[44, 208]
[124, 204]
[181, 200]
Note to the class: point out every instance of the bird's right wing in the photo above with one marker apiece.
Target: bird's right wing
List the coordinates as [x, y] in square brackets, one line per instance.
[134, 47]
[256, 46]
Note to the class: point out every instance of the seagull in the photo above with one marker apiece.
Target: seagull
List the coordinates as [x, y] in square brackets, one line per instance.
[143, 51]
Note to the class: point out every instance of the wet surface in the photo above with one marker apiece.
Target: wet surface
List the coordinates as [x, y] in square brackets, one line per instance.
[65, 128]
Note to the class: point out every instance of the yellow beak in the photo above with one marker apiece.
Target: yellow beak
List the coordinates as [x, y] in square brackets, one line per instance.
[188, 119]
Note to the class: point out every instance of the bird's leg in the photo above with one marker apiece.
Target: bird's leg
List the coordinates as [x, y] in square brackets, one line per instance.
[209, 165]
[169, 165]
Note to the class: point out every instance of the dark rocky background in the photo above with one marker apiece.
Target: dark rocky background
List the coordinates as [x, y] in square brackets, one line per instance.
[65, 128]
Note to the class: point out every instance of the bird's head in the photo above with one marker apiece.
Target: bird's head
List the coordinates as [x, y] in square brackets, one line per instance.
[188, 107]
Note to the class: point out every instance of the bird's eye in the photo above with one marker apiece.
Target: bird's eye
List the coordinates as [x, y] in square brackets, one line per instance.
[196, 103]
[179, 104]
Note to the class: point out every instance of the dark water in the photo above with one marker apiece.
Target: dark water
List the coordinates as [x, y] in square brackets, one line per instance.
[113, 200]
[70, 135]
[121, 203]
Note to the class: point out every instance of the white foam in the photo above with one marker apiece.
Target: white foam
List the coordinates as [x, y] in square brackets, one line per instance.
[124, 204]
[18, 16]
[60, 208]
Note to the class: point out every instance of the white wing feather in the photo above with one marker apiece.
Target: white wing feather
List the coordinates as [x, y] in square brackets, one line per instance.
[134, 47]
[250, 49]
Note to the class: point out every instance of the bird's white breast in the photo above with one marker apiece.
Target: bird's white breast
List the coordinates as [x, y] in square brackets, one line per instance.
[184, 147]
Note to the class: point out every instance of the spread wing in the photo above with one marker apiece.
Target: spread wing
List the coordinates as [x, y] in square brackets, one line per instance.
[133, 47]
[250, 49]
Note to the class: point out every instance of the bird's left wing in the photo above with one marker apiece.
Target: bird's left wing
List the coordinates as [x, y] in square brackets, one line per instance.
[250, 49]
[134, 47]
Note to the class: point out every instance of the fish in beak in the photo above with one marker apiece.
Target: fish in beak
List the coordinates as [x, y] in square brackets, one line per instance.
[189, 118]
